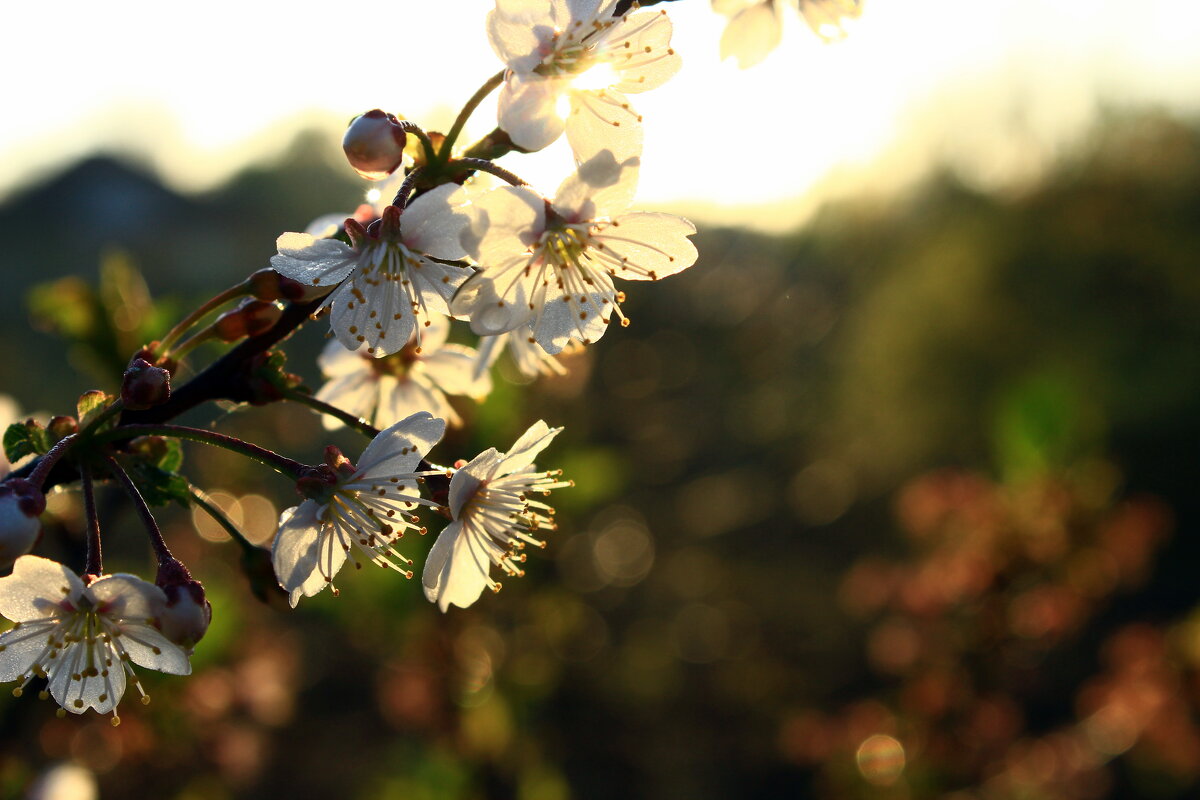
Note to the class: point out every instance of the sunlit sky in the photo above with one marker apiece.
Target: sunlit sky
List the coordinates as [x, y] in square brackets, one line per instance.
[997, 87]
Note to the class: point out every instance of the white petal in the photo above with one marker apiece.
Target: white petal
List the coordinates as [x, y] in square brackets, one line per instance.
[432, 226]
[20, 647]
[409, 396]
[640, 48]
[560, 322]
[147, 647]
[600, 187]
[296, 551]
[752, 34]
[528, 110]
[470, 477]
[398, 449]
[77, 696]
[36, 587]
[653, 245]
[526, 449]
[518, 30]
[337, 360]
[453, 573]
[351, 318]
[123, 596]
[489, 313]
[503, 223]
[313, 262]
[603, 120]
[452, 369]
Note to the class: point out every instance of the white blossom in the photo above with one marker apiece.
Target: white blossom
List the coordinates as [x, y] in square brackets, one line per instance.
[21, 505]
[417, 378]
[367, 507]
[550, 266]
[570, 64]
[493, 518]
[390, 286]
[83, 639]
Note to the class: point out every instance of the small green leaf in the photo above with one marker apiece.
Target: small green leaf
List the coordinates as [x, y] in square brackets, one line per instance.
[172, 460]
[90, 405]
[23, 439]
[159, 487]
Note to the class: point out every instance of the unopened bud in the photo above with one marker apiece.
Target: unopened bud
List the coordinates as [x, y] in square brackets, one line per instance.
[144, 385]
[250, 318]
[21, 503]
[61, 427]
[374, 144]
[186, 614]
[268, 285]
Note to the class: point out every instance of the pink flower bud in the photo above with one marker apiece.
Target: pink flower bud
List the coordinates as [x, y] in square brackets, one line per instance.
[20, 506]
[144, 385]
[374, 144]
[186, 614]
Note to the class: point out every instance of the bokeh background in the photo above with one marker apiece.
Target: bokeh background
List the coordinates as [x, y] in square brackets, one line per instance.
[892, 495]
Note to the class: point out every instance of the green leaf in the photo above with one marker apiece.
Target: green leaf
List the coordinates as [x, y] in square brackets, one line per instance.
[25, 438]
[90, 405]
[172, 460]
[159, 487]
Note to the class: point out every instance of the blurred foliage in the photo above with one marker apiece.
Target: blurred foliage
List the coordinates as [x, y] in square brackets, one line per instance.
[899, 506]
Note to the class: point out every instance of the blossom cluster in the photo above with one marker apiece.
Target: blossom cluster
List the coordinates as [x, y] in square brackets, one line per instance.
[523, 272]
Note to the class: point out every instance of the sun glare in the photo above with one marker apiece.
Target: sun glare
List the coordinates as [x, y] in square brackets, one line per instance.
[596, 77]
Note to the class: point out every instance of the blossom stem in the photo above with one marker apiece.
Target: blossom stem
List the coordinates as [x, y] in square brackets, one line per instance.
[47, 462]
[277, 462]
[190, 344]
[465, 114]
[410, 180]
[95, 562]
[161, 551]
[357, 423]
[426, 142]
[206, 503]
[483, 165]
[173, 335]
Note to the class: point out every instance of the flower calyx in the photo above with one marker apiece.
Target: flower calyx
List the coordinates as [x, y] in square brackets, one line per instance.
[268, 285]
[267, 380]
[374, 144]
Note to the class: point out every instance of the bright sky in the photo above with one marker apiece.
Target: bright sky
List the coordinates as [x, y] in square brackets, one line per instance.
[993, 84]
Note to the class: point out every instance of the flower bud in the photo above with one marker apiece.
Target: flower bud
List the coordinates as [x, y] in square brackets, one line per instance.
[374, 144]
[250, 318]
[269, 285]
[186, 614]
[20, 506]
[144, 385]
[61, 427]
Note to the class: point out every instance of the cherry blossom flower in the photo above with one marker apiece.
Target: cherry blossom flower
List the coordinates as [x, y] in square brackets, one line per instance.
[384, 390]
[827, 18]
[389, 280]
[494, 517]
[570, 64]
[367, 507]
[550, 266]
[83, 638]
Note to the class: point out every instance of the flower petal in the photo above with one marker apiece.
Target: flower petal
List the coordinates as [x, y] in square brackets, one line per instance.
[649, 245]
[454, 574]
[752, 34]
[36, 587]
[526, 449]
[470, 477]
[122, 596]
[147, 647]
[603, 120]
[313, 262]
[398, 449]
[528, 110]
[641, 51]
[21, 647]
[296, 551]
[101, 691]
[431, 225]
